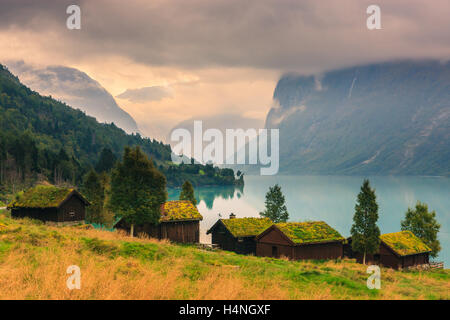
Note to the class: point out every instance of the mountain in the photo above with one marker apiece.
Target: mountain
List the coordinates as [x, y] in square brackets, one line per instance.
[389, 118]
[45, 139]
[77, 89]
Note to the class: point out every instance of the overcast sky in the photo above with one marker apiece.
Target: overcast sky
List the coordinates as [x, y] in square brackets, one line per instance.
[168, 61]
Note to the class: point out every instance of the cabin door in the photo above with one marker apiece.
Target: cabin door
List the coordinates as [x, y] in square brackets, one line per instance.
[274, 251]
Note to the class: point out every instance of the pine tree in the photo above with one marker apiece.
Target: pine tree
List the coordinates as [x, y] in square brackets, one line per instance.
[424, 226]
[106, 161]
[187, 193]
[275, 205]
[365, 232]
[137, 189]
[95, 194]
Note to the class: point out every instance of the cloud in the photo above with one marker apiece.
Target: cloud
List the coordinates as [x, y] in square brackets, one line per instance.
[216, 56]
[146, 94]
[289, 35]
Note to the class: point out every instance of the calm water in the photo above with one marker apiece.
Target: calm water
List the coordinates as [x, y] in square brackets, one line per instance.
[331, 199]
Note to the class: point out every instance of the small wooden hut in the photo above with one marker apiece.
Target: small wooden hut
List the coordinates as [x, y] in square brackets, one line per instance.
[50, 204]
[300, 240]
[397, 250]
[238, 234]
[179, 222]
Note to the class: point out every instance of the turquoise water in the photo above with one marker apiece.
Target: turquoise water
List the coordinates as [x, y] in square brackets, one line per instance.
[331, 199]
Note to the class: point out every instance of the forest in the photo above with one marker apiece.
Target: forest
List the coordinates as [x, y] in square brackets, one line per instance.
[42, 139]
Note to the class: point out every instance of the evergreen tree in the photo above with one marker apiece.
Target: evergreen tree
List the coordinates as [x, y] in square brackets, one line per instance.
[187, 193]
[137, 189]
[424, 226]
[95, 193]
[365, 232]
[106, 161]
[275, 205]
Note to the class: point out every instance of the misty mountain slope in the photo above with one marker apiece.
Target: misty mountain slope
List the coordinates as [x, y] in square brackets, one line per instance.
[387, 118]
[77, 89]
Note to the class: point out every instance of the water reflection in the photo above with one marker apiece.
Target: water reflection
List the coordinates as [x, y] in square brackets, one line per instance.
[209, 194]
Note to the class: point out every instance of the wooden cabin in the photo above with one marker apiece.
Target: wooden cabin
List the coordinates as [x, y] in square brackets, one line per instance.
[50, 204]
[238, 234]
[300, 240]
[397, 250]
[179, 222]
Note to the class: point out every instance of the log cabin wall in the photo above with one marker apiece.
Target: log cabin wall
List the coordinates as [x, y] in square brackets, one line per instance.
[182, 231]
[274, 244]
[222, 237]
[73, 209]
[318, 251]
[274, 250]
[246, 245]
[388, 258]
[49, 214]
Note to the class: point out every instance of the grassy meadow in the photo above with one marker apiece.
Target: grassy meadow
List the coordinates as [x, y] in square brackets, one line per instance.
[34, 259]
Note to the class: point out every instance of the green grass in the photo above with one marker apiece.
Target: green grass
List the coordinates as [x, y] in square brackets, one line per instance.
[135, 267]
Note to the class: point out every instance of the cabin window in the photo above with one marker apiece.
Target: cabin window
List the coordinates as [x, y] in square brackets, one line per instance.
[274, 251]
[72, 213]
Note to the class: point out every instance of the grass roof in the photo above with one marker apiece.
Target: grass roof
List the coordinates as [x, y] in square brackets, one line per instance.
[404, 243]
[246, 227]
[309, 232]
[179, 210]
[41, 197]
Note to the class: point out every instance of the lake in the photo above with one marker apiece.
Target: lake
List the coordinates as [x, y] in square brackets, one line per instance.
[330, 199]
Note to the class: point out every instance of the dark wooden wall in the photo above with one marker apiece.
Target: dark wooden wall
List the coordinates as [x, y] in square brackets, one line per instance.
[274, 244]
[183, 231]
[317, 251]
[226, 241]
[180, 231]
[74, 209]
[49, 214]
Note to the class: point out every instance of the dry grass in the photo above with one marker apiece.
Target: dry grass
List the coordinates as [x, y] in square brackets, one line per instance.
[34, 259]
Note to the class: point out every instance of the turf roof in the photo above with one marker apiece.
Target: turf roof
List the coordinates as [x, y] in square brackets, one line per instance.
[309, 232]
[41, 197]
[246, 227]
[404, 243]
[179, 210]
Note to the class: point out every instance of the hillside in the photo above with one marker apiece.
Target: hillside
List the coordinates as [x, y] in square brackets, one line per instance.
[78, 90]
[380, 119]
[34, 259]
[42, 138]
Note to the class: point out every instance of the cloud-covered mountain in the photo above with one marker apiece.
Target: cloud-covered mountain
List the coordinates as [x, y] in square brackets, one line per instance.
[77, 89]
[387, 118]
